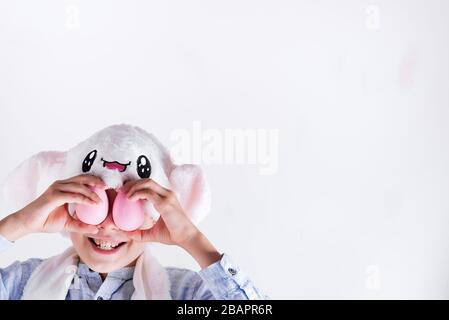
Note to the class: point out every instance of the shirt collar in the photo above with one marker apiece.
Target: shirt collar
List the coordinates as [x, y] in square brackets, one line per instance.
[125, 273]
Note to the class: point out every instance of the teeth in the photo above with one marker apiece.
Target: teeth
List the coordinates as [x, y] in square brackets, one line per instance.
[106, 245]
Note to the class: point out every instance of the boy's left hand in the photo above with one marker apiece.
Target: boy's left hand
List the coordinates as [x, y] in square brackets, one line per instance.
[173, 227]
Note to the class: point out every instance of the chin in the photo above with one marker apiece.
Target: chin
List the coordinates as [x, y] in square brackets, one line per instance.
[102, 267]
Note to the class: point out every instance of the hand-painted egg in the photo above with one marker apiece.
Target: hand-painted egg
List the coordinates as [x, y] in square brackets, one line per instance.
[128, 215]
[96, 213]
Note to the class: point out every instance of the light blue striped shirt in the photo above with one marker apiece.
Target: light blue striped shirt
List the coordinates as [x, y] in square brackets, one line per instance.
[223, 280]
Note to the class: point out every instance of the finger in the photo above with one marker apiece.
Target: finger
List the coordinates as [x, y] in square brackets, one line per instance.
[73, 225]
[127, 185]
[158, 188]
[134, 185]
[145, 194]
[88, 179]
[150, 184]
[80, 188]
[167, 209]
[70, 197]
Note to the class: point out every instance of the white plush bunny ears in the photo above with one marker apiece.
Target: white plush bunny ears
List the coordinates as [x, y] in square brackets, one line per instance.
[116, 153]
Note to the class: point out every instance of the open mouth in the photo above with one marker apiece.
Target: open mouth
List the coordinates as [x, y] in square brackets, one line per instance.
[115, 165]
[104, 246]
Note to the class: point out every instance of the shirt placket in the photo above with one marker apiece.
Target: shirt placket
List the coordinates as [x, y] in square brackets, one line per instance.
[107, 288]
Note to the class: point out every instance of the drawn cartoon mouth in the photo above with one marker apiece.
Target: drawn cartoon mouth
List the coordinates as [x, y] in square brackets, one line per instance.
[115, 165]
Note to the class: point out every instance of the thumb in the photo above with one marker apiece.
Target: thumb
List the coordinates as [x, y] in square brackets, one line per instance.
[73, 225]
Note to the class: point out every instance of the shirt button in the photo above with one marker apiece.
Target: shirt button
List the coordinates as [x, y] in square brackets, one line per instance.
[100, 298]
[232, 271]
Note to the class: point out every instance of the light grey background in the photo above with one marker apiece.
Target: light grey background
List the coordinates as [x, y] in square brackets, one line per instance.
[358, 90]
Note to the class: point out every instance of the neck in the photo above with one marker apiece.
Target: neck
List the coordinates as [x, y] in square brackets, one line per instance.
[104, 275]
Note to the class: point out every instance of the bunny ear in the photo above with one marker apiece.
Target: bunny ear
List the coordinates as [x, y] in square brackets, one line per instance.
[31, 178]
[192, 189]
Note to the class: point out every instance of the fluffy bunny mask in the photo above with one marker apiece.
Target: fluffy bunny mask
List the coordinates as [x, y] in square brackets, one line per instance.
[115, 154]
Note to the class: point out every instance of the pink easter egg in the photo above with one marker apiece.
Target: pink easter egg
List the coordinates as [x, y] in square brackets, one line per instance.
[96, 213]
[128, 215]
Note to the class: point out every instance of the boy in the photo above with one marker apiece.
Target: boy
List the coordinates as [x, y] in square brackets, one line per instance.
[108, 255]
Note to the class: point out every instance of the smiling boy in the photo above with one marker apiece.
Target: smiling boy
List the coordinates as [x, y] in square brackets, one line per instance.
[107, 257]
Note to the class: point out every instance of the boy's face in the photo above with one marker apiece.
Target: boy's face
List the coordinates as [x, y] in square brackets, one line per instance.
[110, 248]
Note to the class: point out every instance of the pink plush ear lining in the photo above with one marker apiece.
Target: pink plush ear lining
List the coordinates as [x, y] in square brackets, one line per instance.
[189, 183]
[29, 179]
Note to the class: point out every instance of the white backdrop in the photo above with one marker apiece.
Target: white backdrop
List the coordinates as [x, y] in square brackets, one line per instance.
[357, 205]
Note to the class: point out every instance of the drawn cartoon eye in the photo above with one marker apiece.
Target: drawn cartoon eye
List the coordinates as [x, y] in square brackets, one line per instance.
[143, 167]
[89, 160]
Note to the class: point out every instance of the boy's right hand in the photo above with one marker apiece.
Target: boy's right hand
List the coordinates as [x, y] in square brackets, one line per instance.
[49, 213]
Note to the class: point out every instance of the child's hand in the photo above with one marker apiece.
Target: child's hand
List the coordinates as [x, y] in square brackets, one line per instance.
[49, 213]
[173, 227]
